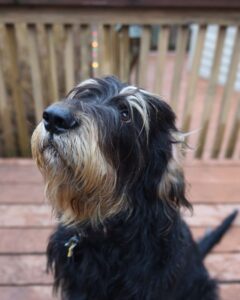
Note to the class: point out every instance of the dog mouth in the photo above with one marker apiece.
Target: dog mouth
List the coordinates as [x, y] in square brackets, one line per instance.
[49, 145]
[49, 148]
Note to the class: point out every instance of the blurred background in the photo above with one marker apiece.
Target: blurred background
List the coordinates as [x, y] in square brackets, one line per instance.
[186, 51]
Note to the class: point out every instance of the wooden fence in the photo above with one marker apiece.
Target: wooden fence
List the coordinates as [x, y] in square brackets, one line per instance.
[45, 51]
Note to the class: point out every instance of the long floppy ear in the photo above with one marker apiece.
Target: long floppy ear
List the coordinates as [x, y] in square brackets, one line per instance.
[172, 185]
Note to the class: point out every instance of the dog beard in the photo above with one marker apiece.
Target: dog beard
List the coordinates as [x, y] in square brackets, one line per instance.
[79, 183]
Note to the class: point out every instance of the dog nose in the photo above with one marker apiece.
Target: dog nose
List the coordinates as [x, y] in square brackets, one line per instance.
[58, 119]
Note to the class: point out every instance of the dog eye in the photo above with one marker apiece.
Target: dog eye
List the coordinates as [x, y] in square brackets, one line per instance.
[125, 117]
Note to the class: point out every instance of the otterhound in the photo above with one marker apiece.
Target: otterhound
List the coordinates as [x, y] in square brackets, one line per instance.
[110, 154]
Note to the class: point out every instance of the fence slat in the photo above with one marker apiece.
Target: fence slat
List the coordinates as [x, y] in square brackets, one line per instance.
[69, 58]
[107, 51]
[85, 50]
[25, 79]
[191, 88]
[182, 38]
[115, 51]
[163, 38]
[124, 58]
[233, 134]
[5, 118]
[144, 52]
[36, 72]
[19, 107]
[43, 61]
[211, 91]
[54, 92]
[226, 99]
[97, 61]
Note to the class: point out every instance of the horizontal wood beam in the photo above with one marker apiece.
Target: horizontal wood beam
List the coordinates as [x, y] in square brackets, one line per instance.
[128, 16]
[129, 3]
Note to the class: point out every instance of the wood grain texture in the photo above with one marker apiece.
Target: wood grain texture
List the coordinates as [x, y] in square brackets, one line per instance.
[128, 3]
[124, 54]
[69, 58]
[163, 40]
[34, 240]
[182, 38]
[143, 56]
[24, 269]
[27, 241]
[36, 72]
[49, 15]
[233, 138]
[54, 89]
[44, 292]
[194, 74]
[85, 51]
[35, 215]
[26, 216]
[31, 269]
[16, 89]
[9, 147]
[35, 292]
[226, 98]
[211, 91]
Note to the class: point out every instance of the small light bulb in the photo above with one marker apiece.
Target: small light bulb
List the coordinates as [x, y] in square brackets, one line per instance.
[94, 44]
[95, 65]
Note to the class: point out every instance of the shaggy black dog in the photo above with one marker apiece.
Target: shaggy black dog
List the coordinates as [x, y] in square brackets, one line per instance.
[110, 155]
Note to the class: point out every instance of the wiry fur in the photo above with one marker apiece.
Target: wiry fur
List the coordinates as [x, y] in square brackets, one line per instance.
[117, 183]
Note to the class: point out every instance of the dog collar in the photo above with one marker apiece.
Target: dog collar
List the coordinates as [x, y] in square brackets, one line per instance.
[71, 244]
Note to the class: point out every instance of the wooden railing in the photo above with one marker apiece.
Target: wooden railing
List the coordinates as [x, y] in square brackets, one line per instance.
[45, 51]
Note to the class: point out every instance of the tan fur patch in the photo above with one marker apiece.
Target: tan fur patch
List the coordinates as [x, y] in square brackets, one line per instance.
[80, 183]
[174, 172]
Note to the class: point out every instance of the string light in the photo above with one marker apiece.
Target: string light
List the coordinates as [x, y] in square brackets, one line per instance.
[95, 64]
[95, 46]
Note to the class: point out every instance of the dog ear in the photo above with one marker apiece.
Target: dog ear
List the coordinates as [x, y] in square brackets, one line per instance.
[171, 188]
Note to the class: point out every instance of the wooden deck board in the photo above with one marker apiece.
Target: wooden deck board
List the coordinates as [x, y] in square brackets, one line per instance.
[30, 269]
[42, 292]
[34, 240]
[26, 223]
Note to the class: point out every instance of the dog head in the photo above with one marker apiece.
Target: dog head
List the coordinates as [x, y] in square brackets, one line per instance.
[104, 145]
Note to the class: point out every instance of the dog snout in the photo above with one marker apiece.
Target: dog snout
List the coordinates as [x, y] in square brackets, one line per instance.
[58, 119]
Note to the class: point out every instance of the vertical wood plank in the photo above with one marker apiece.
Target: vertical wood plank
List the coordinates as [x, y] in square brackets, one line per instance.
[69, 58]
[182, 38]
[43, 59]
[211, 91]
[54, 89]
[226, 99]
[163, 39]
[104, 52]
[35, 72]
[107, 51]
[144, 53]
[233, 134]
[19, 108]
[124, 57]
[191, 88]
[97, 62]
[24, 67]
[85, 49]
[60, 45]
[115, 51]
[9, 146]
